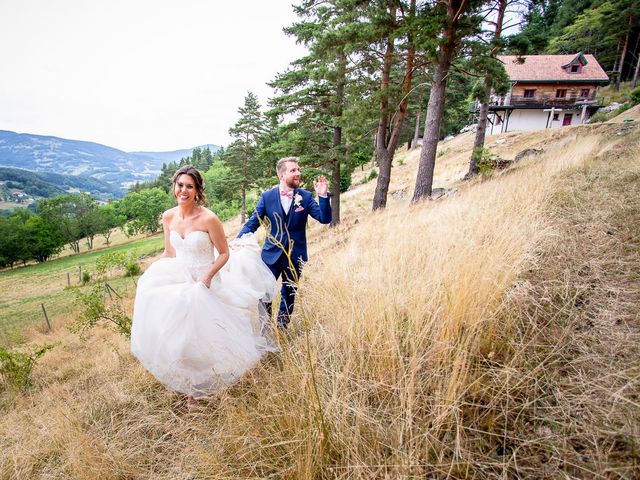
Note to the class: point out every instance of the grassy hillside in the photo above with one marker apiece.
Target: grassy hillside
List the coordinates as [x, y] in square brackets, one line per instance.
[490, 334]
[23, 290]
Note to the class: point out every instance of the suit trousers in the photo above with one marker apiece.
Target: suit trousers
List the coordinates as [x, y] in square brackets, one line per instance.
[282, 267]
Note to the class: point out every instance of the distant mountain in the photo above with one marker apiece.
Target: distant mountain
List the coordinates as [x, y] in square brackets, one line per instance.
[40, 153]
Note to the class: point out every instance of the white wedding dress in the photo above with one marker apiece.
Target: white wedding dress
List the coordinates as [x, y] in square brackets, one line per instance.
[194, 339]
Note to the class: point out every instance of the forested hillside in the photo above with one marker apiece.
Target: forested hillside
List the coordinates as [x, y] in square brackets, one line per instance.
[606, 28]
[44, 185]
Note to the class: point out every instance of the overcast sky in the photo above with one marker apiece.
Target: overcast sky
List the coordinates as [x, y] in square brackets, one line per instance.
[138, 74]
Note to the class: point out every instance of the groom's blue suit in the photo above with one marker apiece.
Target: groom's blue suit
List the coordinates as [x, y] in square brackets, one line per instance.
[289, 230]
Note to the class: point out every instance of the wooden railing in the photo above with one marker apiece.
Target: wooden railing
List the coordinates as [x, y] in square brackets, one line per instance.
[521, 100]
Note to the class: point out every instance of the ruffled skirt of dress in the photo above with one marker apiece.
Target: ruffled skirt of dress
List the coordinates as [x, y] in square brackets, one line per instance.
[198, 340]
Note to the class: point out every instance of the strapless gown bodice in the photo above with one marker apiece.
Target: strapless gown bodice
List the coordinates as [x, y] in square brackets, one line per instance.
[195, 339]
[195, 251]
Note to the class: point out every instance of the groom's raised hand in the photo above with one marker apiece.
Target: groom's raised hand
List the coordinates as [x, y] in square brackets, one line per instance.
[321, 186]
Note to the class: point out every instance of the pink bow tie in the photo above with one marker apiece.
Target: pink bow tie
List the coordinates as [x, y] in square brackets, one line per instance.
[286, 194]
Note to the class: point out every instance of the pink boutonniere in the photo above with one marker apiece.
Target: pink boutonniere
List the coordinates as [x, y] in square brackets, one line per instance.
[297, 199]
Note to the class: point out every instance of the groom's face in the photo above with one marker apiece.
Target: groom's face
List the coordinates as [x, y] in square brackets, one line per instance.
[291, 175]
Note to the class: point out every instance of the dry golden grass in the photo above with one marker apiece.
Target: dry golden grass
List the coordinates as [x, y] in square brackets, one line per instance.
[435, 340]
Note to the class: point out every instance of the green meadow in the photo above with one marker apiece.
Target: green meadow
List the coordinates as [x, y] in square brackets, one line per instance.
[24, 289]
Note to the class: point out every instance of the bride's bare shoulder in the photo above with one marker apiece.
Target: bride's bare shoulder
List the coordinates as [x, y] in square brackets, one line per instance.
[208, 215]
[168, 214]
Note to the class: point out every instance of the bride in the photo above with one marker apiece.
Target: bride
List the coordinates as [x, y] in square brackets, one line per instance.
[196, 323]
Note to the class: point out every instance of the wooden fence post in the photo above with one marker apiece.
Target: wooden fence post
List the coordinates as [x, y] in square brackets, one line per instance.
[46, 317]
[111, 289]
[68, 279]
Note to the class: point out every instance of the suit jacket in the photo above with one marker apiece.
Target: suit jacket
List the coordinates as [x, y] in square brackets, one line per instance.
[289, 231]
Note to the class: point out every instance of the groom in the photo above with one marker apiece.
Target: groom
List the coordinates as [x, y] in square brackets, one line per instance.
[284, 209]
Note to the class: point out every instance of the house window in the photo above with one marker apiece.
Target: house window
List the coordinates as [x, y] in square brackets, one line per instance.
[575, 68]
[561, 93]
[584, 92]
[556, 117]
[529, 93]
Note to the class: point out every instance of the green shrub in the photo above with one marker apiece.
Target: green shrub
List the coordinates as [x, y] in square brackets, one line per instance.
[635, 96]
[228, 209]
[110, 260]
[16, 367]
[345, 179]
[133, 269]
[604, 116]
[485, 161]
[599, 117]
[120, 259]
[86, 277]
[372, 175]
[97, 311]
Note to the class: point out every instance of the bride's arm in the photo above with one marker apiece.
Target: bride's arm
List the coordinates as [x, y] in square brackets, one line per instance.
[216, 233]
[166, 221]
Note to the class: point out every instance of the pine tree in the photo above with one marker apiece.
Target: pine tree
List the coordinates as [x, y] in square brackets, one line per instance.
[241, 154]
[316, 87]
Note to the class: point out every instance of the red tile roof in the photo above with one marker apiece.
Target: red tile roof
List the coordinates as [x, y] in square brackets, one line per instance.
[545, 68]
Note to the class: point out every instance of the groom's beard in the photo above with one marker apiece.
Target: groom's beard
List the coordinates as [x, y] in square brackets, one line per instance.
[293, 183]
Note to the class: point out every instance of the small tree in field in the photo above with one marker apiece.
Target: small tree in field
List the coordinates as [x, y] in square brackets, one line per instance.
[143, 210]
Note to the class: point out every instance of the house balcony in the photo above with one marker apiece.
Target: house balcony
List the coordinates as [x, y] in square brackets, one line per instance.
[543, 101]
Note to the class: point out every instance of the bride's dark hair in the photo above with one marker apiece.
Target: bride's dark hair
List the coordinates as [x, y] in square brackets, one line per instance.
[201, 198]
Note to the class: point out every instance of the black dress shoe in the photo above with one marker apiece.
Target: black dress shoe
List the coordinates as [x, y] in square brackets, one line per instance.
[283, 321]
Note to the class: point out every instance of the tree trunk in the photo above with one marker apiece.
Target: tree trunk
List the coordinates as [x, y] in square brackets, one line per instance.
[478, 144]
[435, 108]
[635, 73]
[481, 129]
[335, 179]
[404, 103]
[335, 192]
[337, 138]
[386, 151]
[615, 62]
[416, 132]
[243, 209]
[382, 159]
[622, 58]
